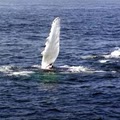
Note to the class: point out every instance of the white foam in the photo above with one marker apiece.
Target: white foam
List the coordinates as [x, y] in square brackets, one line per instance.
[75, 69]
[8, 70]
[78, 69]
[88, 57]
[113, 54]
[13, 71]
[36, 66]
[103, 61]
[99, 71]
[21, 73]
[116, 53]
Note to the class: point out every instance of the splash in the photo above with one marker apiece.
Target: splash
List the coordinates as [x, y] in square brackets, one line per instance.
[6, 68]
[113, 54]
[103, 61]
[16, 71]
[10, 70]
[78, 69]
[21, 73]
[74, 69]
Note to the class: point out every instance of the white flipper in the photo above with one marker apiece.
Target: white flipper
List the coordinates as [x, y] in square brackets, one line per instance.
[51, 50]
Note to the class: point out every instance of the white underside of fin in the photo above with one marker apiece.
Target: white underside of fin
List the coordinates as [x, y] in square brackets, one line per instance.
[51, 50]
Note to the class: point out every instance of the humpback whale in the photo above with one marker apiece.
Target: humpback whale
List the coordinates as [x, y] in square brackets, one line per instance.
[52, 46]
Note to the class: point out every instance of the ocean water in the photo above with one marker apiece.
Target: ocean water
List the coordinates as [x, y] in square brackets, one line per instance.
[89, 46]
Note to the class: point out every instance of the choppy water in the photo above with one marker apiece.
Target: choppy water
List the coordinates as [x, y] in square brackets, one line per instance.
[90, 45]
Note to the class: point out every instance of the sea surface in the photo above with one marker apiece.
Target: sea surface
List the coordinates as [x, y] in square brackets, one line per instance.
[89, 46]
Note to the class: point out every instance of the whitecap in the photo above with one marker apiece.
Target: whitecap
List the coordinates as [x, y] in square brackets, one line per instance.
[103, 61]
[89, 57]
[74, 69]
[10, 70]
[21, 73]
[6, 68]
[113, 54]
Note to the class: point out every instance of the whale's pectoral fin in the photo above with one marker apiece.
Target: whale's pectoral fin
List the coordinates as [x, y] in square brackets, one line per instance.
[52, 45]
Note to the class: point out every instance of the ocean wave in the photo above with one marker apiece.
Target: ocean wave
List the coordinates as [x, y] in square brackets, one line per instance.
[113, 54]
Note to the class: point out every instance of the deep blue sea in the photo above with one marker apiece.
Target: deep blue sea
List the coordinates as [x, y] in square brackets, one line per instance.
[89, 44]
